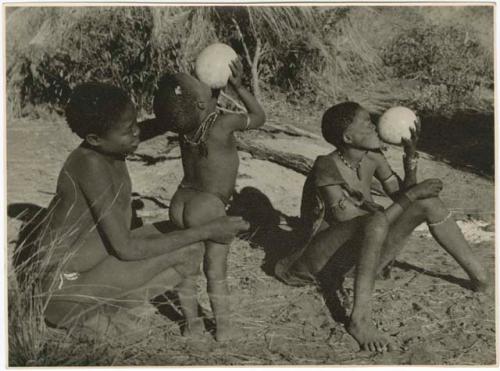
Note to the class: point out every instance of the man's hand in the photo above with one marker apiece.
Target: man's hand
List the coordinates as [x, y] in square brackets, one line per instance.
[237, 73]
[410, 145]
[224, 229]
[426, 189]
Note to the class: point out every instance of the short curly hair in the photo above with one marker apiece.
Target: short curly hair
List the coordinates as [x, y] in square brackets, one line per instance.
[335, 121]
[174, 102]
[94, 107]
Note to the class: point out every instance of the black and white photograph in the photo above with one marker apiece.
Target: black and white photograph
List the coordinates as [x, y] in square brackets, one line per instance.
[250, 184]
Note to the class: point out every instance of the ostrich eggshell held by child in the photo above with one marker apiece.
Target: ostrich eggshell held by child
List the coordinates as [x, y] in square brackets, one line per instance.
[395, 124]
[212, 65]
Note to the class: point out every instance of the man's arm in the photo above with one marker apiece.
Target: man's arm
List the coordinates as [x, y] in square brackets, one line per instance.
[96, 185]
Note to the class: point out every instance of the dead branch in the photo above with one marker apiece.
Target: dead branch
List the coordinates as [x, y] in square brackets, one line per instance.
[291, 161]
[287, 129]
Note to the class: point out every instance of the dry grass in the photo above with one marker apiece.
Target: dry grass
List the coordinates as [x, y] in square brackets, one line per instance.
[343, 58]
[280, 325]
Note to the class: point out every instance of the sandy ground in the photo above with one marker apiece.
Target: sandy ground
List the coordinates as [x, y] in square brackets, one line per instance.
[423, 308]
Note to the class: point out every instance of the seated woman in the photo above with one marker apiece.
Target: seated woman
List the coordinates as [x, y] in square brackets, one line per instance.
[337, 208]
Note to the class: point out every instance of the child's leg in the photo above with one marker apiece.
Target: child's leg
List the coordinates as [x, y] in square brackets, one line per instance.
[198, 211]
[215, 267]
[188, 297]
[187, 289]
[445, 231]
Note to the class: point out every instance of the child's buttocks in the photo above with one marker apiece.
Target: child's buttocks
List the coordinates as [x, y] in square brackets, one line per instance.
[191, 207]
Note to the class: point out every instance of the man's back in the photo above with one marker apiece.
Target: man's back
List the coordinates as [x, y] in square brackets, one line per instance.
[71, 225]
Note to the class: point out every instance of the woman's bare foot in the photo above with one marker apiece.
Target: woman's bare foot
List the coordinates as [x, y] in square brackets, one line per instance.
[368, 336]
[481, 285]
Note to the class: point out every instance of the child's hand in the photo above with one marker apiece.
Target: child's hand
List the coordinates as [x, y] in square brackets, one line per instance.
[237, 72]
[426, 189]
[224, 229]
[410, 145]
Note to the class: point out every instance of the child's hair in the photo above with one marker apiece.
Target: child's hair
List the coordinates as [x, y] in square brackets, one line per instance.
[94, 107]
[174, 102]
[336, 119]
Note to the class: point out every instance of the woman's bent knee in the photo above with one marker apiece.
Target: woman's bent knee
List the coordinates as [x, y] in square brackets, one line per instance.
[431, 205]
[377, 224]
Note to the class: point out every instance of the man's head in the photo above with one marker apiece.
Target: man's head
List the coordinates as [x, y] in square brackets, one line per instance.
[349, 124]
[104, 116]
[181, 102]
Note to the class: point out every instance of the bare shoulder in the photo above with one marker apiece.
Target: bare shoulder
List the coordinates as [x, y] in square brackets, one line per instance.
[83, 163]
[376, 157]
[323, 162]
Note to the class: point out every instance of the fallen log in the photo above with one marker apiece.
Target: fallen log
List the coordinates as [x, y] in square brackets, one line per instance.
[291, 161]
[273, 127]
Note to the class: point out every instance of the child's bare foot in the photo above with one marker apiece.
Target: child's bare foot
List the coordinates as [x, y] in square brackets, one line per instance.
[368, 336]
[226, 330]
[194, 328]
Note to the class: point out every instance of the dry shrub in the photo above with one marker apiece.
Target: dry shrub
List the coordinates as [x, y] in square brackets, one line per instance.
[129, 47]
[314, 56]
[448, 63]
[338, 57]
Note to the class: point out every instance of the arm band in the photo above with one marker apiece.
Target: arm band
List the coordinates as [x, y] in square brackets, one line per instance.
[392, 179]
[410, 163]
[247, 125]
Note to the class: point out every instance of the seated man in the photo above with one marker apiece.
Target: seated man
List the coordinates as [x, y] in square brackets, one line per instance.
[94, 261]
[337, 208]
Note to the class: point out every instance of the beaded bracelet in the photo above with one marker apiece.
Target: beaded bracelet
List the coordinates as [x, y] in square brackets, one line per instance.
[412, 161]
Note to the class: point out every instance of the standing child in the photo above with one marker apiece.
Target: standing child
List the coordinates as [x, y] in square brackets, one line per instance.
[210, 161]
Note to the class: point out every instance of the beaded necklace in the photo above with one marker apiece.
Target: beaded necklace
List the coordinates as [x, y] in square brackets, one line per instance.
[199, 138]
[353, 168]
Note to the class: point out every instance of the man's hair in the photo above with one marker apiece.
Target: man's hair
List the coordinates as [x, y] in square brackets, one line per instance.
[94, 107]
[174, 102]
[335, 121]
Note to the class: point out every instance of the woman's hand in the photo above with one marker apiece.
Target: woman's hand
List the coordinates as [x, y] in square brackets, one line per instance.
[410, 145]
